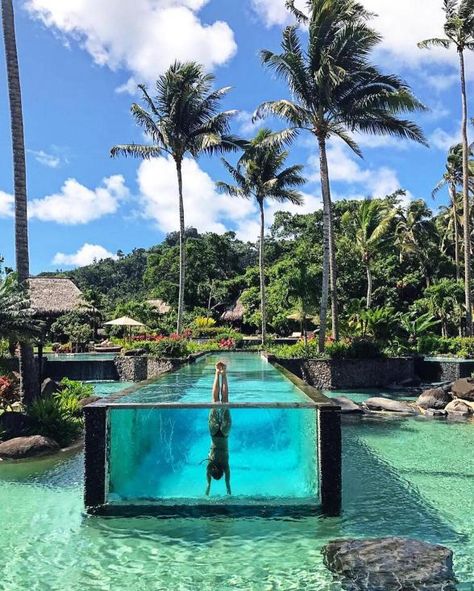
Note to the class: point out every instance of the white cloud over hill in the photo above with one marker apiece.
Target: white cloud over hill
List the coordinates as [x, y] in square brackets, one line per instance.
[87, 254]
[141, 36]
[77, 204]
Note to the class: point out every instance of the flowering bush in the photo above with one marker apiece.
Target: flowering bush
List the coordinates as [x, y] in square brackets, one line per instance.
[228, 343]
[9, 392]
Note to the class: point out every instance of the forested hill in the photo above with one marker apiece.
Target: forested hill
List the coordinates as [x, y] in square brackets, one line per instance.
[408, 252]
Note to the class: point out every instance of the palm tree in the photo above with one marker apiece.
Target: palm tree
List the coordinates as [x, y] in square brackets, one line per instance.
[416, 236]
[459, 32]
[449, 226]
[259, 174]
[370, 223]
[28, 374]
[16, 316]
[336, 90]
[183, 118]
[452, 178]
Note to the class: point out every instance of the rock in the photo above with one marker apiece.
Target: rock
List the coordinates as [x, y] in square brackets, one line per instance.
[49, 387]
[459, 407]
[15, 424]
[464, 389]
[434, 398]
[347, 405]
[27, 447]
[389, 405]
[435, 413]
[390, 564]
[89, 400]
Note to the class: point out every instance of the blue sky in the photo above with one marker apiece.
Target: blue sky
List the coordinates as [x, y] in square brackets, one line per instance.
[80, 63]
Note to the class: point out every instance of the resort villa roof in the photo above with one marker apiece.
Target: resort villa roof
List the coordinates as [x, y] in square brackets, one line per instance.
[234, 313]
[159, 306]
[53, 296]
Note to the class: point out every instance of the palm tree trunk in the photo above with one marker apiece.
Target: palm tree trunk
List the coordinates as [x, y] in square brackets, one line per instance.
[452, 192]
[182, 248]
[29, 386]
[369, 286]
[329, 253]
[466, 205]
[263, 308]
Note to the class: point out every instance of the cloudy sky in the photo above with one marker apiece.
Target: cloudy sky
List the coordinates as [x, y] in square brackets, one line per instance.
[80, 63]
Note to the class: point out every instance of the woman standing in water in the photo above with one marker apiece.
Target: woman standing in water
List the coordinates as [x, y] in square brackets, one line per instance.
[219, 428]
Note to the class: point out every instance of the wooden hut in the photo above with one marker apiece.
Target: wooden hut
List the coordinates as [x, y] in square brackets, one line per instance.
[52, 297]
[234, 314]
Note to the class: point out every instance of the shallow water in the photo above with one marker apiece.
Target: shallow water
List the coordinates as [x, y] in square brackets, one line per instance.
[406, 477]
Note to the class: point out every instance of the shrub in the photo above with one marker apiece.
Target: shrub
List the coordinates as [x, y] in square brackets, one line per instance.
[9, 392]
[56, 418]
[204, 322]
[167, 347]
[462, 347]
[78, 390]
[297, 351]
[364, 349]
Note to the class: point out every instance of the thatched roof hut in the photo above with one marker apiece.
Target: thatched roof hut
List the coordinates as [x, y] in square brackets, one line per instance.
[234, 313]
[52, 297]
[159, 306]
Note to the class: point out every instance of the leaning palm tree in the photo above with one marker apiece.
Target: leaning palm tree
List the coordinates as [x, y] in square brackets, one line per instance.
[28, 373]
[335, 90]
[370, 223]
[459, 33]
[452, 179]
[182, 119]
[260, 175]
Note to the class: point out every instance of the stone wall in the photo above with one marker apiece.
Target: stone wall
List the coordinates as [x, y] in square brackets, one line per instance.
[336, 374]
[138, 369]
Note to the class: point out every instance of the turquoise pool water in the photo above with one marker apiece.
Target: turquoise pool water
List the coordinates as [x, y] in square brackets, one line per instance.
[251, 379]
[406, 477]
[159, 455]
[104, 389]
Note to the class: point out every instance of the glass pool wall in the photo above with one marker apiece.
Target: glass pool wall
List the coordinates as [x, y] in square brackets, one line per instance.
[160, 456]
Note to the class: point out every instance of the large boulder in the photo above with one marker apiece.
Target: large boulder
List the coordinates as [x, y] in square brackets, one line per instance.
[49, 387]
[27, 447]
[464, 388]
[389, 405]
[459, 407]
[347, 405]
[390, 564]
[436, 398]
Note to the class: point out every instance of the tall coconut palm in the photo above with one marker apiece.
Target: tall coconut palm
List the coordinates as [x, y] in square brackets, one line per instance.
[336, 90]
[452, 179]
[182, 119]
[260, 174]
[28, 374]
[459, 33]
[370, 223]
[449, 226]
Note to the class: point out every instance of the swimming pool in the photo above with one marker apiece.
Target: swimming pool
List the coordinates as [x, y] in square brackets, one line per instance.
[157, 441]
[406, 477]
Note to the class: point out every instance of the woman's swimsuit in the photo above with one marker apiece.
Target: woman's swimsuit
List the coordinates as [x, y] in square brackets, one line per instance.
[220, 424]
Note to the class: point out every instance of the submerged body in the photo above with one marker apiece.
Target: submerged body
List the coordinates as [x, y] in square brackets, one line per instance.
[220, 423]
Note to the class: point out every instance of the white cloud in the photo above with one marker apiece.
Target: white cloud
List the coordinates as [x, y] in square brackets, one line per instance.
[77, 204]
[443, 140]
[205, 209]
[403, 23]
[86, 255]
[248, 127]
[49, 160]
[362, 182]
[141, 36]
[6, 205]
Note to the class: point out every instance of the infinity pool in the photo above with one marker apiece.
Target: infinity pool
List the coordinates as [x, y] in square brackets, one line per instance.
[408, 477]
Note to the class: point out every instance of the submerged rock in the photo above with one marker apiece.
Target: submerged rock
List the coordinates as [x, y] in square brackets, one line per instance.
[390, 564]
[27, 447]
[459, 407]
[434, 398]
[388, 405]
[435, 413]
[347, 406]
[464, 388]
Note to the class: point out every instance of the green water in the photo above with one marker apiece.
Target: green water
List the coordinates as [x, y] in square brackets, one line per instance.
[409, 477]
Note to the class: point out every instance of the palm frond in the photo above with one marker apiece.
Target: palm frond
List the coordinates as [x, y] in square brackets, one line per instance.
[136, 151]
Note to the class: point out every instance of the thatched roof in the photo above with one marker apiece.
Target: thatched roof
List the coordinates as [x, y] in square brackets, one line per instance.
[51, 296]
[160, 306]
[234, 313]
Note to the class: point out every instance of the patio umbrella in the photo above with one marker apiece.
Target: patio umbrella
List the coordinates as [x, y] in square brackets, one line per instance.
[125, 321]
